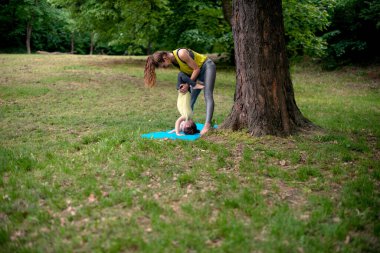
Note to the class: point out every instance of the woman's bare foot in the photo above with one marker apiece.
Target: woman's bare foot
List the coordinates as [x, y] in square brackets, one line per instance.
[206, 128]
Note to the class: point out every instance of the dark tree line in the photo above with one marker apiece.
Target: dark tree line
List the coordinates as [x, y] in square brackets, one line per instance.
[336, 31]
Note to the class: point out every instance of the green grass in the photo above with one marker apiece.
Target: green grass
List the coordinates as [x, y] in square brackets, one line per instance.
[77, 177]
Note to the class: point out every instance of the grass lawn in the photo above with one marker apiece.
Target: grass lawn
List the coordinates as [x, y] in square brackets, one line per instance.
[75, 175]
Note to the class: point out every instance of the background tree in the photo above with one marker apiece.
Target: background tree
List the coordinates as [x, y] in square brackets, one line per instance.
[354, 35]
[140, 27]
[147, 26]
[199, 25]
[141, 24]
[25, 23]
[84, 16]
[304, 21]
[264, 98]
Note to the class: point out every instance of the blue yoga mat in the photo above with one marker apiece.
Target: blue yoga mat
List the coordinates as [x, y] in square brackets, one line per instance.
[173, 136]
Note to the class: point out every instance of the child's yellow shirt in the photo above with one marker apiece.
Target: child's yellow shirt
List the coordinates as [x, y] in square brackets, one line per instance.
[183, 105]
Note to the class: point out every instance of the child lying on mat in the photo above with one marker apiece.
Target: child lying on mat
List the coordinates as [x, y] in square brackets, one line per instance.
[184, 123]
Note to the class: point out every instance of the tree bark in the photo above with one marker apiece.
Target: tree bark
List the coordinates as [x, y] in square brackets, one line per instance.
[227, 10]
[264, 98]
[72, 43]
[149, 48]
[92, 43]
[29, 27]
[28, 36]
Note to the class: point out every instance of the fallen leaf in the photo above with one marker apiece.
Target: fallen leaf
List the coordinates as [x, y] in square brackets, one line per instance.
[17, 235]
[336, 219]
[300, 250]
[91, 198]
[71, 210]
[189, 190]
[63, 221]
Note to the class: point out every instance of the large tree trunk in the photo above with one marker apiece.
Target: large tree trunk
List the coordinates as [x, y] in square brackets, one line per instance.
[264, 98]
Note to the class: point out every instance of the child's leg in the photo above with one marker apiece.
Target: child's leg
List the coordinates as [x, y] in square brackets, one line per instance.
[198, 86]
[184, 79]
[194, 96]
[181, 79]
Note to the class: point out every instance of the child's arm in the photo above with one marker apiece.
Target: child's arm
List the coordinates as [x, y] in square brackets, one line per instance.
[178, 124]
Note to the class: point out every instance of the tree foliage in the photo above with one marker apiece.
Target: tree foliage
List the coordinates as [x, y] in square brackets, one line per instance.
[354, 33]
[304, 20]
[340, 30]
[199, 25]
[17, 15]
[50, 30]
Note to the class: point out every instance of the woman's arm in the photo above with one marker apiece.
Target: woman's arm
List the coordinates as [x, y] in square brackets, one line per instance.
[184, 56]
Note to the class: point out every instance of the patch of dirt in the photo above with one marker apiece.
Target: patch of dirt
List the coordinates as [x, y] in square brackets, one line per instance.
[375, 84]
[214, 137]
[109, 62]
[145, 223]
[287, 193]
[371, 76]
[45, 52]
[374, 73]
[237, 155]
[372, 141]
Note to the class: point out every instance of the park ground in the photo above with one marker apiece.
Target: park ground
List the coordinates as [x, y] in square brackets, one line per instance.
[76, 176]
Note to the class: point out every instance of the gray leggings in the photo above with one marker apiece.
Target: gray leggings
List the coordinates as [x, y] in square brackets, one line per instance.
[207, 76]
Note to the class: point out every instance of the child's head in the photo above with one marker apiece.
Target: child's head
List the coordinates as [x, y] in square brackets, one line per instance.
[190, 127]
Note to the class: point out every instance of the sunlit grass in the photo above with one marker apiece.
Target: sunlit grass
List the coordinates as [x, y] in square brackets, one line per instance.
[77, 176]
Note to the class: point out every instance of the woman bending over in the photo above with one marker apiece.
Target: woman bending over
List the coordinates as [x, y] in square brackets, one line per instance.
[197, 67]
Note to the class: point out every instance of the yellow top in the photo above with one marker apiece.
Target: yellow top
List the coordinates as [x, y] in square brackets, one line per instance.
[198, 58]
[183, 105]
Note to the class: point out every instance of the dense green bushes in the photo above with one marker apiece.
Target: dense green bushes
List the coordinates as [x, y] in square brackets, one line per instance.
[336, 31]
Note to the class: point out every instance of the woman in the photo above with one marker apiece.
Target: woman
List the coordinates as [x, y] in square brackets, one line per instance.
[196, 66]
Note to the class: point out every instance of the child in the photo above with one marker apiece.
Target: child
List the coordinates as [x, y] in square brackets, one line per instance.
[184, 123]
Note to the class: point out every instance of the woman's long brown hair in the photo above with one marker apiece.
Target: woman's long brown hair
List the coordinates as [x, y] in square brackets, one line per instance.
[152, 62]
